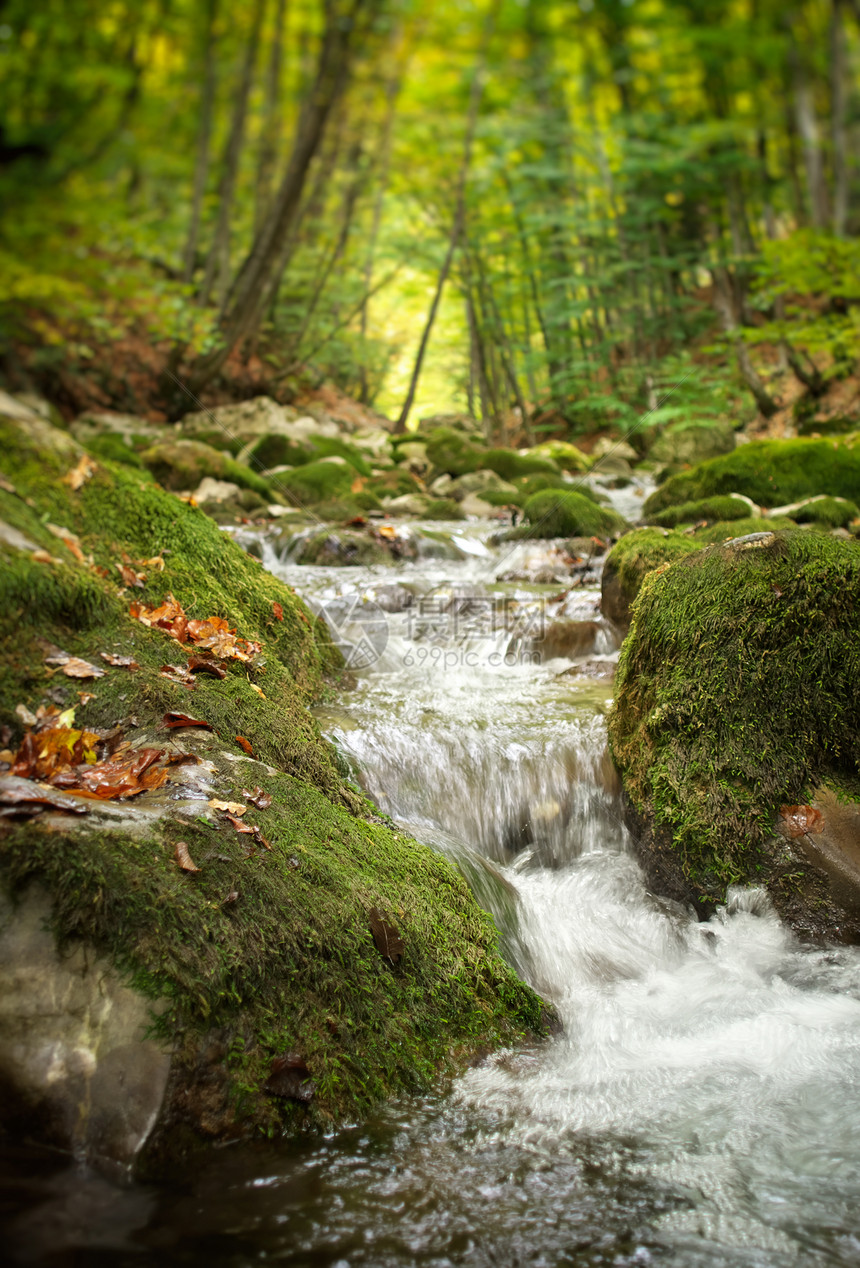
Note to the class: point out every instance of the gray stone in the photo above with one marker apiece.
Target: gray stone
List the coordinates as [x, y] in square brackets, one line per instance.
[479, 482]
[76, 1069]
[211, 490]
[686, 444]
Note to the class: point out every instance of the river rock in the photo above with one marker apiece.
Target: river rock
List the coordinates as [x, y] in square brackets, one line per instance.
[733, 697]
[685, 443]
[209, 490]
[77, 1068]
[477, 482]
[232, 426]
[568, 639]
[472, 504]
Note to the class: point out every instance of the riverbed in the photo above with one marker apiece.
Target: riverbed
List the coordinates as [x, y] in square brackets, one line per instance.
[701, 1102]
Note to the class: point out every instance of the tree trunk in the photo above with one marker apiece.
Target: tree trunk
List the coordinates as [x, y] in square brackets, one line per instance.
[271, 128]
[217, 273]
[724, 304]
[261, 270]
[458, 222]
[838, 99]
[807, 126]
[204, 137]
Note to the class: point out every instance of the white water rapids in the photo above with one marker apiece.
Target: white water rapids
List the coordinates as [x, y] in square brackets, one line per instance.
[701, 1106]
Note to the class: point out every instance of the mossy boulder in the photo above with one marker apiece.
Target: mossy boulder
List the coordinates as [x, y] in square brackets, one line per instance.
[182, 464]
[771, 472]
[828, 512]
[555, 513]
[565, 455]
[736, 695]
[316, 482]
[726, 508]
[628, 563]
[276, 450]
[511, 465]
[263, 952]
[453, 452]
[692, 441]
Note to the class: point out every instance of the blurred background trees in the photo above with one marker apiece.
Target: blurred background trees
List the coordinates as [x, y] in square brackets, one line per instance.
[639, 195]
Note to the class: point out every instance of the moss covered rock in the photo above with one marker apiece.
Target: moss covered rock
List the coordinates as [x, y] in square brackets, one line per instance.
[276, 450]
[316, 482]
[628, 563]
[556, 513]
[736, 695]
[565, 455]
[828, 512]
[511, 465]
[182, 464]
[453, 452]
[771, 472]
[688, 442]
[730, 507]
[266, 950]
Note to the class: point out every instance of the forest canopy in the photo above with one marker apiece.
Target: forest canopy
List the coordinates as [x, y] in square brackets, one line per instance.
[562, 214]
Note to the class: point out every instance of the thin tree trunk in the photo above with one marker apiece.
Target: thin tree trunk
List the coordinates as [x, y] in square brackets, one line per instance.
[204, 138]
[261, 270]
[217, 273]
[838, 99]
[807, 126]
[457, 225]
[724, 304]
[271, 118]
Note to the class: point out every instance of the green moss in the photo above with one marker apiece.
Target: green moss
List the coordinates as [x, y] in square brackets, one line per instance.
[445, 509]
[631, 559]
[559, 514]
[720, 532]
[771, 472]
[827, 511]
[719, 508]
[275, 451]
[112, 447]
[452, 452]
[394, 483]
[182, 464]
[318, 482]
[693, 441]
[511, 465]
[563, 454]
[736, 689]
[271, 952]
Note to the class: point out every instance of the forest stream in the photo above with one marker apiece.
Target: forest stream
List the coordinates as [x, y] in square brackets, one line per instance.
[699, 1105]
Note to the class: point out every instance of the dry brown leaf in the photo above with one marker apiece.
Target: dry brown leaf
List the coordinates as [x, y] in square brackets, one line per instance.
[259, 690]
[206, 665]
[388, 941]
[278, 611]
[246, 745]
[262, 800]
[23, 796]
[179, 675]
[175, 720]
[69, 539]
[28, 718]
[797, 821]
[42, 557]
[74, 667]
[248, 829]
[80, 473]
[119, 662]
[183, 858]
[231, 807]
[85, 696]
[130, 577]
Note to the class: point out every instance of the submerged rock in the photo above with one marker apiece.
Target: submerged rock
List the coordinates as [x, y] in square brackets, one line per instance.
[737, 694]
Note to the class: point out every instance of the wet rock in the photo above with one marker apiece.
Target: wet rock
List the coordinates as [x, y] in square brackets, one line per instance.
[77, 1069]
[629, 562]
[474, 505]
[478, 482]
[568, 639]
[232, 426]
[733, 696]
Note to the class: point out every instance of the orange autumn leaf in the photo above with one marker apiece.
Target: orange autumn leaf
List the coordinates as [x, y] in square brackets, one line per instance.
[246, 745]
[79, 474]
[278, 611]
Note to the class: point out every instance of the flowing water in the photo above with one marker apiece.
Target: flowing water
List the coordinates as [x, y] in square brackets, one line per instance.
[702, 1105]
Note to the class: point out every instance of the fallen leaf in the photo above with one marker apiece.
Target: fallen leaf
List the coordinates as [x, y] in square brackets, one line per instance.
[205, 665]
[156, 563]
[130, 577]
[214, 634]
[119, 662]
[42, 557]
[183, 858]
[387, 530]
[23, 796]
[797, 821]
[261, 840]
[182, 759]
[175, 720]
[85, 696]
[80, 473]
[126, 775]
[74, 667]
[262, 800]
[179, 675]
[278, 611]
[69, 539]
[290, 1077]
[28, 718]
[231, 897]
[246, 745]
[259, 690]
[247, 829]
[389, 944]
[232, 807]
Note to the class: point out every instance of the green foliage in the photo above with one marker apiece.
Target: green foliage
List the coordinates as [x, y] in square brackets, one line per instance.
[771, 472]
[735, 692]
